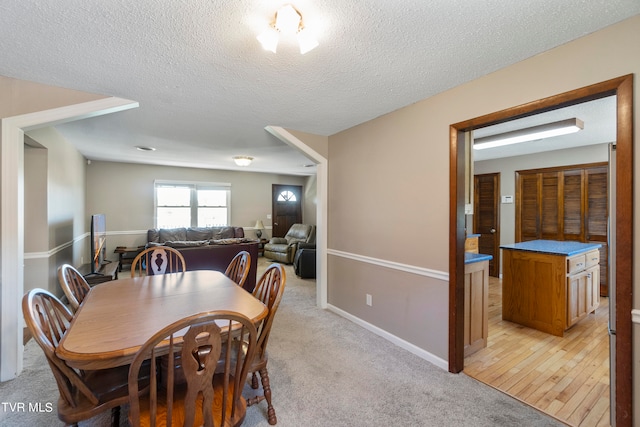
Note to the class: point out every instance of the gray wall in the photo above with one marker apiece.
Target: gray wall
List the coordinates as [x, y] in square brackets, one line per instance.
[124, 193]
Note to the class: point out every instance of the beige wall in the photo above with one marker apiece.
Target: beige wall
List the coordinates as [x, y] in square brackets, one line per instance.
[389, 195]
[59, 169]
[21, 97]
[124, 193]
[317, 142]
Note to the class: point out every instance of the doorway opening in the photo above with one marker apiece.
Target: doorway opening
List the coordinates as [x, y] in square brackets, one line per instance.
[622, 87]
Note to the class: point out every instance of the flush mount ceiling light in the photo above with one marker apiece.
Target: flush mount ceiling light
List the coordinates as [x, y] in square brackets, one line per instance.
[243, 160]
[143, 148]
[288, 22]
[548, 130]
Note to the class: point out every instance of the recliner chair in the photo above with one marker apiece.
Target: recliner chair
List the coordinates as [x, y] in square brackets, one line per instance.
[283, 249]
[304, 262]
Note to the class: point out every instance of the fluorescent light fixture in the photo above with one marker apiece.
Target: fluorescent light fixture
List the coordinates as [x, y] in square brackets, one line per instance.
[548, 130]
[288, 22]
[243, 160]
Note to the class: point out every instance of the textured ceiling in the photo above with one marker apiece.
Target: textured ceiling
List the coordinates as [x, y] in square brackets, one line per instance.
[207, 89]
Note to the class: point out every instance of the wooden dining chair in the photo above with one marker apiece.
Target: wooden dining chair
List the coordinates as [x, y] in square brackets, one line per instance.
[83, 394]
[213, 372]
[158, 260]
[73, 284]
[238, 268]
[269, 290]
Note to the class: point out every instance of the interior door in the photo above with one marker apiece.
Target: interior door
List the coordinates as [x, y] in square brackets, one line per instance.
[486, 218]
[286, 208]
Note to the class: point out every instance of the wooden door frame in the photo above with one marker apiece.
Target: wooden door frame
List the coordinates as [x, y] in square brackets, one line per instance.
[622, 87]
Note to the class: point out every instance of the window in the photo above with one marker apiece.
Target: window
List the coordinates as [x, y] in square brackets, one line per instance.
[287, 196]
[179, 204]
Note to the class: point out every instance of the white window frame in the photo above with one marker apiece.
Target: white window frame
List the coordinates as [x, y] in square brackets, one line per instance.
[194, 186]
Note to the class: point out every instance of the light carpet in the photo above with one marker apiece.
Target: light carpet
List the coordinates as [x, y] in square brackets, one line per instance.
[324, 371]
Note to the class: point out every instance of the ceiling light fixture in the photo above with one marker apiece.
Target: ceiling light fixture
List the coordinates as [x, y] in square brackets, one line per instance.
[243, 160]
[288, 22]
[143, 148]
[548, 130]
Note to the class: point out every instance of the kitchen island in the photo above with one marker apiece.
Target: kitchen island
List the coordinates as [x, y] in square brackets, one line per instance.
[550, 285]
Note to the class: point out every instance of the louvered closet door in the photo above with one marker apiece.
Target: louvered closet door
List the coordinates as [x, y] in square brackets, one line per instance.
[564, 203]
[572, 205]
[528, 204]
[597, 218]
[549, 224]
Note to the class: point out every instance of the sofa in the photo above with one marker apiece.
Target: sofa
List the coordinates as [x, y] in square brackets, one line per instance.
[283, 249]
[208, 248]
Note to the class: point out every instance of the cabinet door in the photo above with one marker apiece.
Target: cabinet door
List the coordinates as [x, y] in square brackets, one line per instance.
[583, 294]
[577, 296]
[593, 288]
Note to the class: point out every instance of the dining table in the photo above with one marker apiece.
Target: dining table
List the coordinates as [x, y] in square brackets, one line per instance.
[116, 318]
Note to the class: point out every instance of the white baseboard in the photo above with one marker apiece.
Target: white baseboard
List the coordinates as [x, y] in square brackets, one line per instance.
[423, 354]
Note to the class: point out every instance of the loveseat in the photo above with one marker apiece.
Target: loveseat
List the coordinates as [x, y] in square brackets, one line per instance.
[208, 248]
[283, 249]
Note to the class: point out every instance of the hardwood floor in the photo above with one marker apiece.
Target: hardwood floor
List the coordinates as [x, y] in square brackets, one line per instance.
[565, 377]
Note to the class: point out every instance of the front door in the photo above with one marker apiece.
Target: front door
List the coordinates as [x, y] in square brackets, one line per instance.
[486, 218]
[286, 208]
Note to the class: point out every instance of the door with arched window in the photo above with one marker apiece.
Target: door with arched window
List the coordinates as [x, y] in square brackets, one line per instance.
[286, 208]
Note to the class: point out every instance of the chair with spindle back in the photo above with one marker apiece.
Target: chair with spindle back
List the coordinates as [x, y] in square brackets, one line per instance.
[269, 290]
[238, 269]
[83, 394]
[73, 284]
[158, 260]
[212, 375]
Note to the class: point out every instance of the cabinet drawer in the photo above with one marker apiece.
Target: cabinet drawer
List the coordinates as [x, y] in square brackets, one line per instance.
[576, 263]
[592, 258]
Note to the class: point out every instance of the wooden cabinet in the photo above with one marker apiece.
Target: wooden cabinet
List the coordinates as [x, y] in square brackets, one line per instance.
[476, 306]
[566, 204]
[471, 244]
[549, 291]
[583, 291]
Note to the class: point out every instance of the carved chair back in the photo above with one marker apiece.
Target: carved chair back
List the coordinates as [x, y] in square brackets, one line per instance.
[158, 260]
[214, 372]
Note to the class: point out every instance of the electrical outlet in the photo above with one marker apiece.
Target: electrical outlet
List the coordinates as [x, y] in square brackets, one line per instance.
[369, 300]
